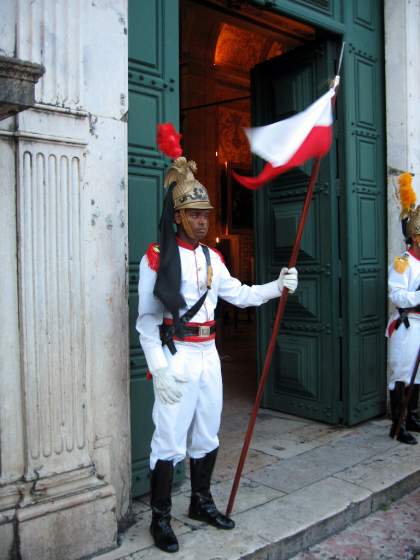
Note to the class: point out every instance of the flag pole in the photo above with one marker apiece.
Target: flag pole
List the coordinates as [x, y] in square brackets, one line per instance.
[279, 315]
[280, 312]
[408, 393]
[340, 58]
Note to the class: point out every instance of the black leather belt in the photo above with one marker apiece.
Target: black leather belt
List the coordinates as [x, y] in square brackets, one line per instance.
[202, 330]
[403, 318]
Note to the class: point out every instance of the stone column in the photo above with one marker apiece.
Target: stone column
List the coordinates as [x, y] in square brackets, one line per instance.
[64, 429]
[402, 77]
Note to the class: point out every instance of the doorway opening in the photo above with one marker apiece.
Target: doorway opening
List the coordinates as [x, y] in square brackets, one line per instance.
[331, 364]
[220, 43]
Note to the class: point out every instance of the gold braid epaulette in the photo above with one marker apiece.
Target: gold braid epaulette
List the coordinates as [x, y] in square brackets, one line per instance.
[401, 264]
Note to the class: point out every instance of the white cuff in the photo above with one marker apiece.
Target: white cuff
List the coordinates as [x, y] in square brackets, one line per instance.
[271, 290]
[156, 359]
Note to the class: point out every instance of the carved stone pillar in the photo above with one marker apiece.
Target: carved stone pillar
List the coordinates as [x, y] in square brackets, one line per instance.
[53, 351]
[63, 458]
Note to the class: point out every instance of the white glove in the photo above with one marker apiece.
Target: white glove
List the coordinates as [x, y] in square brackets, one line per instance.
[288, 278]
[165, 384]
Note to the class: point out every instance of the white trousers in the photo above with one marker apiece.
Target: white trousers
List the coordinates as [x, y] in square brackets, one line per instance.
[404, 345]
[192, 424]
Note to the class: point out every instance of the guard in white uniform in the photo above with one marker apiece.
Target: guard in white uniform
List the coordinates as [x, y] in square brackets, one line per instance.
[180, 283]
[403, 329]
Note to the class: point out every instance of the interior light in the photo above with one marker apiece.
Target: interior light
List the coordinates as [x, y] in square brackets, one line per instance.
[217, 154]
[217, 240]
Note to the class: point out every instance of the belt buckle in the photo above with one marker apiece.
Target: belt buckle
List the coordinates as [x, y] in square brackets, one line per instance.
[204, 331]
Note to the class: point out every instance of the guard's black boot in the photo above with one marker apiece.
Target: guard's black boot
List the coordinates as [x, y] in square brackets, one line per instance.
[413, 421]
[396, 397]
[160, 500]
[202, 506]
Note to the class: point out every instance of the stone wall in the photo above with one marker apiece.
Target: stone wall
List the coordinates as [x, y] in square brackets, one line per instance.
[64, 403]
[402, 76]
[402, 84]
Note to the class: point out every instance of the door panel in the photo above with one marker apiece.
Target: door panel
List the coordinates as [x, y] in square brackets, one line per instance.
[305, 374]
[364, 206]
[153, 63]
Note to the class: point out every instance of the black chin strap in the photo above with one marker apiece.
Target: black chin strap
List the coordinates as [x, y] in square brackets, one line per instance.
[168, 282]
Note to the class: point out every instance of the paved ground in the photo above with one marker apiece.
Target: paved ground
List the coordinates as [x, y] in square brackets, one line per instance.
[392, 533]
[305, 486]
[303, 482]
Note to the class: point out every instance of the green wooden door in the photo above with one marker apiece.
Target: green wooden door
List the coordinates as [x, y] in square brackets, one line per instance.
[153, 74]
[305, 373]
[349, 316]
[363, 201]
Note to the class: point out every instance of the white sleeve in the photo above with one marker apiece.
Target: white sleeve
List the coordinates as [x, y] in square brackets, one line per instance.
[241, 295]
[149, 318]
[398, 290]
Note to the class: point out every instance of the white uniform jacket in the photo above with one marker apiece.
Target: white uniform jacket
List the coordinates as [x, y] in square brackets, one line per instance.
[404, 342]
[193, 285]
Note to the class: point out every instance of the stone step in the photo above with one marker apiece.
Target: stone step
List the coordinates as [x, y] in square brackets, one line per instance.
[288, 505]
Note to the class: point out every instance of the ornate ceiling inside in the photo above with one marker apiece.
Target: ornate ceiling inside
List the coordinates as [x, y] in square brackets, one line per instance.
[236, 39]
[242, 48]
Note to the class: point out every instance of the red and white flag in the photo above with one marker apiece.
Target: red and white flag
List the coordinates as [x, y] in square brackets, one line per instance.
[291, 142]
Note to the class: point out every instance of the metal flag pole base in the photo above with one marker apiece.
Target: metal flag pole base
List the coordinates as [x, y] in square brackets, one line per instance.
[408, 394]
[279, 315]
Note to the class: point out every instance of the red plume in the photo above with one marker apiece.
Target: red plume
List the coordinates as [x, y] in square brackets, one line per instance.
[168, 140]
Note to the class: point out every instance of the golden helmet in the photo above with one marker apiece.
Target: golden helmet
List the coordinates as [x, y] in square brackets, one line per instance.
[188, 193]
[413, 222]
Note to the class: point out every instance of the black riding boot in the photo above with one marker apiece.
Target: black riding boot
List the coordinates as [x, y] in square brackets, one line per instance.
[202, 506]
[160, 500]
[396, 400]
[413, 421]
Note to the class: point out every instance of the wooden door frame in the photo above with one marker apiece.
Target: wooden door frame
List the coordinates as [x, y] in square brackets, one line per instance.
[332, 18]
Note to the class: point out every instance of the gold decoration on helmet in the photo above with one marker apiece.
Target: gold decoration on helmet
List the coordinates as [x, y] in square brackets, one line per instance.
[408, 198]
[188, 193]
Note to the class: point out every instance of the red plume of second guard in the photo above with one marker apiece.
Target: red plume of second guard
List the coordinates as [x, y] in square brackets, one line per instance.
[168, 140]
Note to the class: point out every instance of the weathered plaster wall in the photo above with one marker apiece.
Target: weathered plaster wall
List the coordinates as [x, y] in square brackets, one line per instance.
[402, 67]
[64, 416]
[8, 14]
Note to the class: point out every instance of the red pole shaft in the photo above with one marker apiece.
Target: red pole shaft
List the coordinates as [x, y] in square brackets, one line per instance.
[409, 392]
[270, 350]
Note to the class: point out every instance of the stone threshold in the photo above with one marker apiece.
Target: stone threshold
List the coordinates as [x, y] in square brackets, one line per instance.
[287, 505]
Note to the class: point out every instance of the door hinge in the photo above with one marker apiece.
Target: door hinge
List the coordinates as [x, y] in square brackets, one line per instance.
[340, 409]
[338, 187]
